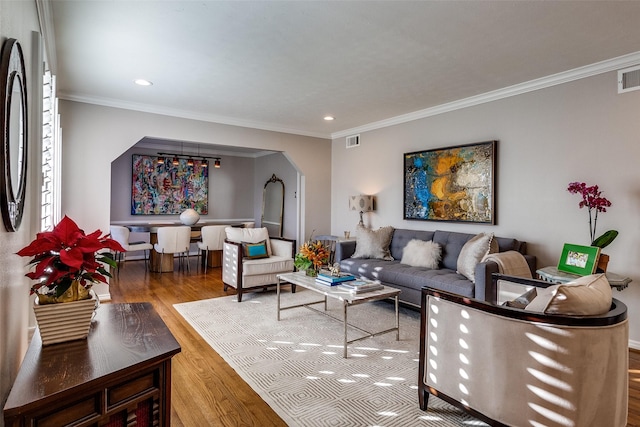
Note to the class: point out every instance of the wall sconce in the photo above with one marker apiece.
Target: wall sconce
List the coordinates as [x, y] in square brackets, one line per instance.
[361, 203]
[216, 163]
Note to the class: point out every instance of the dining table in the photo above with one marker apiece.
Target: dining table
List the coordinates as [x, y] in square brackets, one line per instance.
[162, 263]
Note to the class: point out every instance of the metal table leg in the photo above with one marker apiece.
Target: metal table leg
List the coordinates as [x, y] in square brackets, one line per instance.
[278, 294]
[344, 309]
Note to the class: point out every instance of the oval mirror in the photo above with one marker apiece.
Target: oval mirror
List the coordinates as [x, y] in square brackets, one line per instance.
[273, 206]
[13, 110]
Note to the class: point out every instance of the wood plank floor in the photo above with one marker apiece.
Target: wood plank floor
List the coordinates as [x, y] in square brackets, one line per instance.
[206, 391]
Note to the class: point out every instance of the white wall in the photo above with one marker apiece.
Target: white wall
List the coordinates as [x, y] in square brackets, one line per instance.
[578, 131]
[94, 136]
[230, 190]
[278, 164]
[18, 19]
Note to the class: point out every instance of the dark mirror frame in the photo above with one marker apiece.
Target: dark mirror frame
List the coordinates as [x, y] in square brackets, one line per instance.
[12, 73]
[268, 204]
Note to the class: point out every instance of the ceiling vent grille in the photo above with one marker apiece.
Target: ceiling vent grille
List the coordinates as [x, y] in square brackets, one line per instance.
[353, 141]
[629, 79]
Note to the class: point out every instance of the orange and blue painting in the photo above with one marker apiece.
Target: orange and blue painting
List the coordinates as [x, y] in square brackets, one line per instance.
[451, 184]
[161, 188]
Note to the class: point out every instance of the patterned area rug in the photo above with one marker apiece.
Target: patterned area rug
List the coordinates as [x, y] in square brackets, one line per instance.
[296, 364]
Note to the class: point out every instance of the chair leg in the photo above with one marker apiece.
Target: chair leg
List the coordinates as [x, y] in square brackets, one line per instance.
[206, 260]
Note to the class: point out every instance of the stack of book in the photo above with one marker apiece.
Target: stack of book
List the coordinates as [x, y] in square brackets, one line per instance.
[360, 286]
[327, 279]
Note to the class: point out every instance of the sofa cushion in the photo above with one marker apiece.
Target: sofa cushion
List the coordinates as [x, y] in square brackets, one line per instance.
[472, 253]
[405, 276]
[373, 243]
[586, 296]
[403, 236]
[271, 265]
[418, 253]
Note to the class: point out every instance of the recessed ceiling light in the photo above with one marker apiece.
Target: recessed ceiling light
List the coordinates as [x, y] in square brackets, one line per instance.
[329, 118]
[142, 82]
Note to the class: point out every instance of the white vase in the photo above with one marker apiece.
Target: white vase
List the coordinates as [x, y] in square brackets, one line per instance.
[189, 217]
[65, 321]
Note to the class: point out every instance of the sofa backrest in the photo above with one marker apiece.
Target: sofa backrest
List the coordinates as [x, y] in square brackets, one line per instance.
[450, 241]
[403, 236]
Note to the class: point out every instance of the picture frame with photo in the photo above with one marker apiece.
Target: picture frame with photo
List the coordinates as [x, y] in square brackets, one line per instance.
[577, 259]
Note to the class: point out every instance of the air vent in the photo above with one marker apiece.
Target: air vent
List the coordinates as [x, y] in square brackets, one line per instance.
[353, 141]
[629, 79]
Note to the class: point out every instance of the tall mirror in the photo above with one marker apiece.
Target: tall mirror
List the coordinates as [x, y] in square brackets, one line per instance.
[273, 206]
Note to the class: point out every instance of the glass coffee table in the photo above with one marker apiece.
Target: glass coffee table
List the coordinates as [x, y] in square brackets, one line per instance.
[348, 299]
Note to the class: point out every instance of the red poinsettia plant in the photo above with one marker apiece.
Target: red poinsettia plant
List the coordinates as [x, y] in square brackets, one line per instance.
[593, 200]
[68, 262]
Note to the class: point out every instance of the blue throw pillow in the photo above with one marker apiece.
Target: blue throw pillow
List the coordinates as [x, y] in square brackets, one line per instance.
[255, 250]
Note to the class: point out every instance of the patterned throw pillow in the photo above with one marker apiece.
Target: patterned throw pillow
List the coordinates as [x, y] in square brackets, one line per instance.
[373, 243]
[255, 250]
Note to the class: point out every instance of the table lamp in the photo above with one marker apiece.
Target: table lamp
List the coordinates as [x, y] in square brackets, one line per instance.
[362, 203]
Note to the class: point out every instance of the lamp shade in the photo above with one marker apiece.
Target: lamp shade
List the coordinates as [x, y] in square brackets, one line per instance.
[361, 203]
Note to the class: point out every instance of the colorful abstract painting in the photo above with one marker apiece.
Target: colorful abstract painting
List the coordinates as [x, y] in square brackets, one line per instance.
[168, 189]
[451, 184]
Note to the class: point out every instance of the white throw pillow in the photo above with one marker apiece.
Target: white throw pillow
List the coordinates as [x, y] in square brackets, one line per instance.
[473, 252]
[421, 253]
[373, 243]
[586, 296]
[249, 235]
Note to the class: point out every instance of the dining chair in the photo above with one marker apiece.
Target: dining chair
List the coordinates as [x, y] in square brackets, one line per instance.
[121, 235]
[174, 240]
[329, 242]
[212, 240]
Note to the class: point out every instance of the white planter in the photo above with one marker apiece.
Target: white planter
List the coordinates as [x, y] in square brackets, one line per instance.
[65, 321]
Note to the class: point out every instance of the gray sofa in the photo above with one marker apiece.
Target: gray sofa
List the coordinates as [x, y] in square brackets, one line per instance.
[410, 280]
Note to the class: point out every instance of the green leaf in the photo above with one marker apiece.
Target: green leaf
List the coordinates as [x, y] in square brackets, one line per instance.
[606, 239]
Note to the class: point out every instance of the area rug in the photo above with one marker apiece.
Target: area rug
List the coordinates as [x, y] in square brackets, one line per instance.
[296, 364]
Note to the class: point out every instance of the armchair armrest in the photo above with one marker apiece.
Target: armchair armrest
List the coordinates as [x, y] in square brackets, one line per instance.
[485, 288]
[281, 246]
[344, 249]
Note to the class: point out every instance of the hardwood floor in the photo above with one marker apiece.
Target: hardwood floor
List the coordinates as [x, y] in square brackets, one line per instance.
[206, 391]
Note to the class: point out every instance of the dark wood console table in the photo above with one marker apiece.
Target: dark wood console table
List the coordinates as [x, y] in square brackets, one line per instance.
[119, 376]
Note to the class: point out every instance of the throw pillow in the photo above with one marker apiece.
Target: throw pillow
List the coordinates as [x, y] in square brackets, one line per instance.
[473, 252]
[249, 235]
[255, 250]
[421, 253]
[586, 296]
[373, 243]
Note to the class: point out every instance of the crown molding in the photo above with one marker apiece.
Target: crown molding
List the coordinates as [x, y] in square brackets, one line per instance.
[519, 89]
[146, 108]
[45, 17]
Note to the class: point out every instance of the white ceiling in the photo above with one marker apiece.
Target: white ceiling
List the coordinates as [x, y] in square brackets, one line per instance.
[285, 65]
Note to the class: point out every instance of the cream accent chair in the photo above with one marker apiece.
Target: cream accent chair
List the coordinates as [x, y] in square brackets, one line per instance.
[121, 235]
[212, 240]
[513, 367]
[174, 240]
[246, 275]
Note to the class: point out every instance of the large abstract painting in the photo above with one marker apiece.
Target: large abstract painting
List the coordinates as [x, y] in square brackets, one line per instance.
[162, 188]
[451, 184]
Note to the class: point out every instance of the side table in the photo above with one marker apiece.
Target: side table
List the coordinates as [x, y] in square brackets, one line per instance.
[552, 274]
[120, 375]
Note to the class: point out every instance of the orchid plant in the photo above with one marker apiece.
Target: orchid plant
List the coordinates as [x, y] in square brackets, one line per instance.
[68, 262]
[592, 199]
